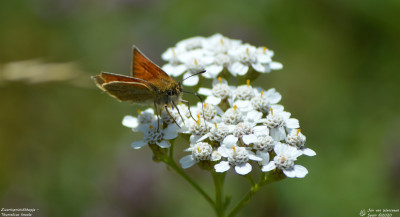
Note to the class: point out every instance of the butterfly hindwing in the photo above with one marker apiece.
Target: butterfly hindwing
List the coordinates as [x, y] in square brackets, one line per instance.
[125, 88]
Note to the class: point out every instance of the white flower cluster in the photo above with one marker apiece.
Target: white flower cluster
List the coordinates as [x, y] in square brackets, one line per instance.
[214, 54]
[252, 128]
[238, 127]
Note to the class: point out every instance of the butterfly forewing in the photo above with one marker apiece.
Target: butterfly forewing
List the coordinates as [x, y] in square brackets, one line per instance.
[145, 69]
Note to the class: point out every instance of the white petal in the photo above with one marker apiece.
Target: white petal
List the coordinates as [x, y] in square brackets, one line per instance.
[274, 97]
[270, 166]
[222, 167]
[300, 171]
[243, 169]
[204, 91]
[187, 161]
[130, 121]
[203, 137]
[195, 138]
[264, 58]
[238, 68]
[284, 114]
[213, 100]
[260, 67]
[254, 157]
[277, 107]
[264, 156]
[215, 156]
[174, 70]
[309, 152]
[243, 105]
[292, 123]
[254, 116]
[275, 65]
[230, 141]
[171, 132]
[213, 71]
[278, 134]
[192, 81]
[138, 144]
[261, 130]
[223, 151]
[290, 173]
[216, 81]
[249, 139]
[163, 144]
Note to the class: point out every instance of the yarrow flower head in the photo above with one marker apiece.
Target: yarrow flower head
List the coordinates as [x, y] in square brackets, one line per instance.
[219, 92]
[216, 54]
[236, 126]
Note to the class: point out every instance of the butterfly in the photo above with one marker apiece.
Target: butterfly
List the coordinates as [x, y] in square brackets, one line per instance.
[147, 84]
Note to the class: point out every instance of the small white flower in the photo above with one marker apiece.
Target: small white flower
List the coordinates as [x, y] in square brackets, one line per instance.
[232, 116]
[264, 100]
[171, 54]
[201, 151]
[245, 57]
[191, 43]
[264, 145]
[218, 132]
[284, 160]
[220, 44]
[220, 62]
[211, 112]
[219, 92]
[175, 67]
[237, 157]
[197, 128]
[144, 118]
[157, 136]
[195, 61]
[297, 139]
[277, 121]
[244, 92]
[247, 131]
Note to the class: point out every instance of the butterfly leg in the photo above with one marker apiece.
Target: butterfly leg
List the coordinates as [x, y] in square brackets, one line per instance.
[201, 100]
[173, 103]
[166, 109]
[158, 116]
[188, 105]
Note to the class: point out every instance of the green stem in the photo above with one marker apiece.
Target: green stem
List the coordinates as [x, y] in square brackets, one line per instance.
[170, 162]
[270, 178]
[218, 182]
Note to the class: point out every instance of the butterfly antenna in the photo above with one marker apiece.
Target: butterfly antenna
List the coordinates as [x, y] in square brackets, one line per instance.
[197, 73]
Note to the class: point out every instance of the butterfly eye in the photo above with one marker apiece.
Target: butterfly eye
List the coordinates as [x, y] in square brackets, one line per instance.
[169, 92]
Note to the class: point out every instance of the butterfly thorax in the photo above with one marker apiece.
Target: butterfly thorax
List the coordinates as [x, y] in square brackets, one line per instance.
[171, 95]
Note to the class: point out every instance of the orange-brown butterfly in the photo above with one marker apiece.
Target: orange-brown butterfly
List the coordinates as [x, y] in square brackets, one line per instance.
[147, 84]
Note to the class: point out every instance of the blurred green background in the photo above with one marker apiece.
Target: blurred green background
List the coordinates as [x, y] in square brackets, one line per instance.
[64, 151]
